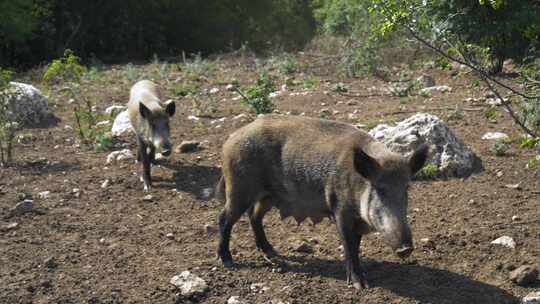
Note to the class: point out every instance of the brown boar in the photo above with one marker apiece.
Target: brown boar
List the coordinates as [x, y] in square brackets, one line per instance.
[150, 120]
[317, 168]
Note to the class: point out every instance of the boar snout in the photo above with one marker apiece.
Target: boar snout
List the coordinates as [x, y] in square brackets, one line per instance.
[404, 251]
[166, 149]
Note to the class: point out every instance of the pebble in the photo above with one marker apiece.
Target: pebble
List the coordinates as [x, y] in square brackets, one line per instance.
[23, 207]
[9, 226]
[234, 300]
[505, 241]
[524, 275]
[44, 194]
[259, 287]
[105, 184]
[148, 198]
[170, 236]
[189, 284]
[531, 298]
[516, 218]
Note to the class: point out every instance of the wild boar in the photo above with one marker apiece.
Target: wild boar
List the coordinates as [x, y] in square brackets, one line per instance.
[317, 168]
[150, 120]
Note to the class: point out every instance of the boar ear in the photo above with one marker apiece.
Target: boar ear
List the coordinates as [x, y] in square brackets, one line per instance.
[170, 107]
[364, 164]
[145, 112]
[418, 158]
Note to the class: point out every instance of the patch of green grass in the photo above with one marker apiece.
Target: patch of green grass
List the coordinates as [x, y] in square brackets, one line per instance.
[500, 147]
[185, 89]
[311, 82]
[429, 171]
[288, 65]
[257, 96]
[491, 115]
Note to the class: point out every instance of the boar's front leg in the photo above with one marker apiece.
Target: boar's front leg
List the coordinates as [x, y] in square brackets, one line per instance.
[145, 158]
[346, 225]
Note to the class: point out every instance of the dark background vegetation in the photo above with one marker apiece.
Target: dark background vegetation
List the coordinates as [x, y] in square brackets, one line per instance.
[34, 31]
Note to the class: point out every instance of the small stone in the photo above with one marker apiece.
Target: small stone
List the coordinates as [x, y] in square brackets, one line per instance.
[304, 248]
[230, 87]
[148, 198]
[259, 287]
[170, 236]
[189, 284]
[514, 186]
[9, 226]
[121, 124]
[505, 241]
[524, 275]
[234, 300]
[210, 229]
[50, 263]
[116, 156]
[105, 184]
[495, 136]
[213, 90]
[531, 298]
[499, 174]
[44, 194]
[516, 218]
[102, 240]
[23, 207]
[187, 146]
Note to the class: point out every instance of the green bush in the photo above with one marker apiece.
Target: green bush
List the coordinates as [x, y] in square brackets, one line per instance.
[500, 147]
[9, 122]
[257, 96]
[429, 171]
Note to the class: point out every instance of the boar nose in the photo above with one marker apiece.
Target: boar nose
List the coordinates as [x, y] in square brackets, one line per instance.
[404, 251]
[166, 150]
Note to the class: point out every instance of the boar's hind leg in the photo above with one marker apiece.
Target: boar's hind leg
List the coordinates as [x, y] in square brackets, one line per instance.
[256, 214]
[237, 203]
[351, 243]
[145, 158]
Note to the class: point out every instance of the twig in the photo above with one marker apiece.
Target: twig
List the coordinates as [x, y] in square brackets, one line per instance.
[479, 71]
[485, 78]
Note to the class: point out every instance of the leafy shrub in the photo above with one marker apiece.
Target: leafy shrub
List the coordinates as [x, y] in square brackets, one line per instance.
[288, 65]
[66, 68]
[68, 71]
[500, 147]
[257, 96]
[429, 171]
[9, 122]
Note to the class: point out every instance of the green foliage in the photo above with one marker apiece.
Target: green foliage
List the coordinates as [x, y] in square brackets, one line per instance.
[185, 88]
[530, 142]
[288, 65]
[429, 171]
[136, 30]
[66, 68]
[70, 73]
[9, 122]
[257, 96]
[16, 23]
[500, 147]
[310, 82]
[491, 115]
[340, 87]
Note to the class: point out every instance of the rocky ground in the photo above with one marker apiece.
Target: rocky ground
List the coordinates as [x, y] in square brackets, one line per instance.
[90, 235]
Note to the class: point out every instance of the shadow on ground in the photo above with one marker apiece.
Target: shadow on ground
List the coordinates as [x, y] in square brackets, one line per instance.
[196, 179]
[421, 283]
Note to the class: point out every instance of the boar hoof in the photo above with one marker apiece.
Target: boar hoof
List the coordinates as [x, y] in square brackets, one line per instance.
[228, 264]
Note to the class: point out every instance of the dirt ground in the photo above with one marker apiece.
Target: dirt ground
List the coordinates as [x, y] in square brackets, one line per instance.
[107, 245]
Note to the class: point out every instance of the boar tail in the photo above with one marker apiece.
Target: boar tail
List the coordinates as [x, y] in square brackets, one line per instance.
[219, 191]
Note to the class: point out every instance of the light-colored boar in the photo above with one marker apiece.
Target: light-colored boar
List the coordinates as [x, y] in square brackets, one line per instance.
[317, 168]
[150, 120]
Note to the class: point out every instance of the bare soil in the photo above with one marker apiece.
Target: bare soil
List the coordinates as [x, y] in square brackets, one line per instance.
[107, 245]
